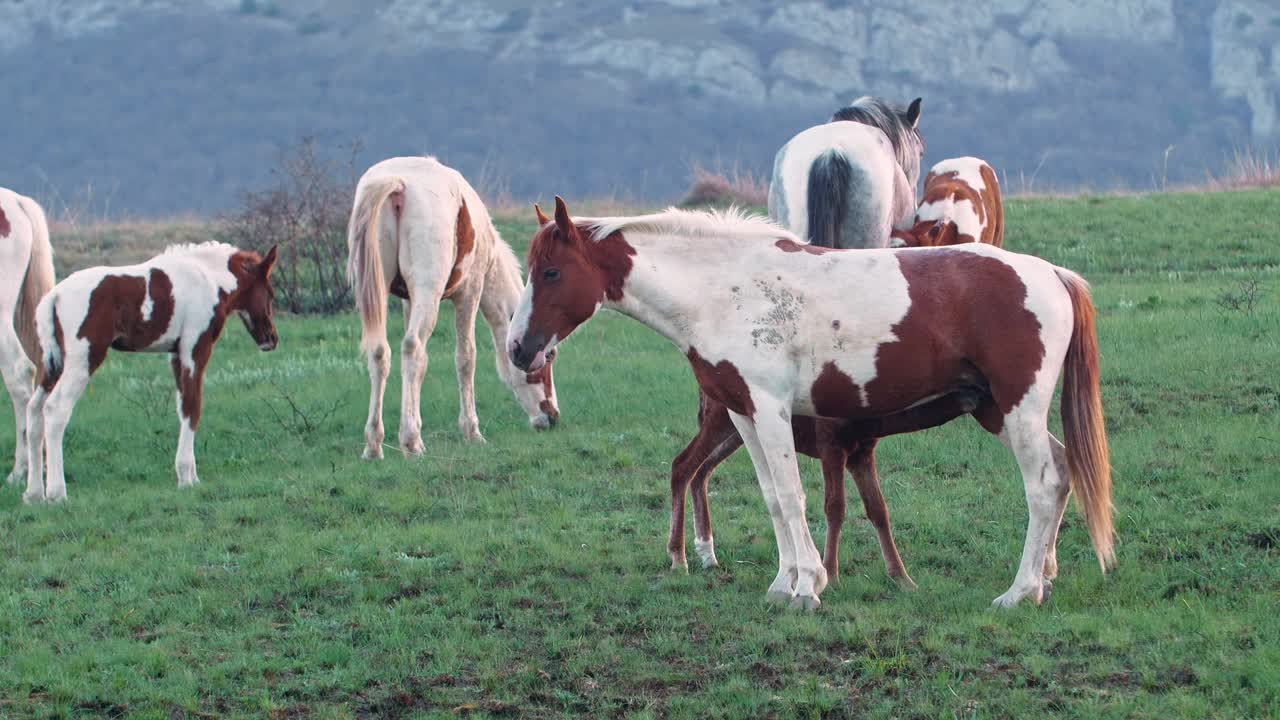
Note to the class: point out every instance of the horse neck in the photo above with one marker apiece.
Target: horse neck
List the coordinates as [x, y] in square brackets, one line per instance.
[668, 282]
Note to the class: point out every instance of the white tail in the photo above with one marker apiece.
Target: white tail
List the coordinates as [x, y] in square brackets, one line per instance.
[37, 282]
[364, 258]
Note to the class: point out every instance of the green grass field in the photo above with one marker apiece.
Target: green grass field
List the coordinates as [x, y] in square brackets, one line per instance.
[528, 577]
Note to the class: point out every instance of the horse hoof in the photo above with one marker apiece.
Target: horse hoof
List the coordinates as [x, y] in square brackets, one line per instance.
[679, 567]
[413, 449]
[30, 498]
[808, 603]
[905, 583]
[371, 454]
[1013, 596]
[779, 597]
[15, 477]
[56, 498]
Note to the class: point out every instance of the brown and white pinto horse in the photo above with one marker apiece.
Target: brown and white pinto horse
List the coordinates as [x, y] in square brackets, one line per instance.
[775, 328]
[961, 204]
[838, 444]
[26, 274]
[420, 232]
[177, 303]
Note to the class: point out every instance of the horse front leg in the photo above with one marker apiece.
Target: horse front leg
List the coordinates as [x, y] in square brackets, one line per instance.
[189, 378]
[769, 439]
[862, 463]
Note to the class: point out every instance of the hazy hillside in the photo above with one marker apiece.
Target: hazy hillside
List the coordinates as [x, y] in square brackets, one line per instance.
[160, 106]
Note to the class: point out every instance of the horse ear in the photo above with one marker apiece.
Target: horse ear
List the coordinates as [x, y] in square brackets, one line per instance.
[562, 219]
[542, 218]
[268, 262]
[913, 113]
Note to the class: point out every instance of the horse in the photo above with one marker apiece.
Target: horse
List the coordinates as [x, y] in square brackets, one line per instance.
[838, 445]
[177, 303]
[849, 182]
[26, 274]
[774, 327]
[420, 232]
[961, 203]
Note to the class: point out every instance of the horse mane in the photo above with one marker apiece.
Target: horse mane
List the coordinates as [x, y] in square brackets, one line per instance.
[907, 142]
[731, 222]
[197, 248]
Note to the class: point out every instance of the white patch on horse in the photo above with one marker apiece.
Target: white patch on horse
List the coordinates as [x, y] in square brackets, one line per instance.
[961, 212]
[967, 169]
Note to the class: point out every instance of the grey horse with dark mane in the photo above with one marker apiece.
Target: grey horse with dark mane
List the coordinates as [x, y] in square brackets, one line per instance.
[850, 182]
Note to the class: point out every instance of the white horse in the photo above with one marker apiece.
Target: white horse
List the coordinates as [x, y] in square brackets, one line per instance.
[419, 231]
[850, 182]
[774, 328]
[26, 274]
[176, 303]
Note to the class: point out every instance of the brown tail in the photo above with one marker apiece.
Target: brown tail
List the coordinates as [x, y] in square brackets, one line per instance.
[364, 258]
[1088, 457]
[37, 282]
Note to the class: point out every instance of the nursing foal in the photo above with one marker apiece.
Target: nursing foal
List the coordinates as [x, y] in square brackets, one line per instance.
[774, 328]
[175, 303]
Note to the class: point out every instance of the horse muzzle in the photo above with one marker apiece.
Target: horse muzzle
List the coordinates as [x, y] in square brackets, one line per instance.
[525, 357]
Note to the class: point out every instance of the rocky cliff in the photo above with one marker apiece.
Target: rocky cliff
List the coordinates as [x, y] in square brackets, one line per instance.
[621, 96]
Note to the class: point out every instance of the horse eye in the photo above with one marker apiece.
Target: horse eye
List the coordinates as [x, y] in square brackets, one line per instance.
[551, 274]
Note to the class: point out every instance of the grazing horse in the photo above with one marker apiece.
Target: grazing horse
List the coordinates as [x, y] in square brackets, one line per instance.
[26, 274]
[961, 204]
[848, 183]
[837, 444]
[775, 328]
[420, 232]
[177, 303]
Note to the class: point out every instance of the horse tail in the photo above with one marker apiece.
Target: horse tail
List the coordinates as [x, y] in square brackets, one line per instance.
[364, 258]
[1088, 457]
[828, 197]
[49, 359]
[37, 282]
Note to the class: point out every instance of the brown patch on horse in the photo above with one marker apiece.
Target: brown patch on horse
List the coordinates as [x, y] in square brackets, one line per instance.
[115, 316]
[48, 376]
[465, 236]
[589, 272]
[967, 325]
[189, 380]
[993, 205]
[4, 224]
[723, 383]
[791, 246]
[967, 322]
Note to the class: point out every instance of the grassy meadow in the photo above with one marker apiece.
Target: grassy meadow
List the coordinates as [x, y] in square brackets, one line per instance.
[528, 577]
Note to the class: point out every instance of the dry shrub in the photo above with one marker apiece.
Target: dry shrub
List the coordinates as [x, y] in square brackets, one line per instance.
[305, 213]
[719, 189]
[1248, 168]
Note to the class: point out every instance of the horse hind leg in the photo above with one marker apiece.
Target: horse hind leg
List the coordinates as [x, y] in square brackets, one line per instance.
[57, 413]
[18, 373]
[378, 359]
[421, 312]
[35, 447]
[1047, 490]
[1051, 550]
[862, 463]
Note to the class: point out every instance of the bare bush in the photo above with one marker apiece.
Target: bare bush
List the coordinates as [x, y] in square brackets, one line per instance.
[1243, 298]
[719, 189]
[1248, 168]
[305, 213]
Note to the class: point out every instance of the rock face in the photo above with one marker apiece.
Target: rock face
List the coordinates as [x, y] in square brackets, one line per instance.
[1246, 60]
[1089, 82]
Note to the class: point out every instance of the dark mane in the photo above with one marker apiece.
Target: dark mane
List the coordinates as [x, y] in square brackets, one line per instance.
[907, 142]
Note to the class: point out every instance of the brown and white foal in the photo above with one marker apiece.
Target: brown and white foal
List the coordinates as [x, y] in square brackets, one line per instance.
[961, 203]
[177, 303]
